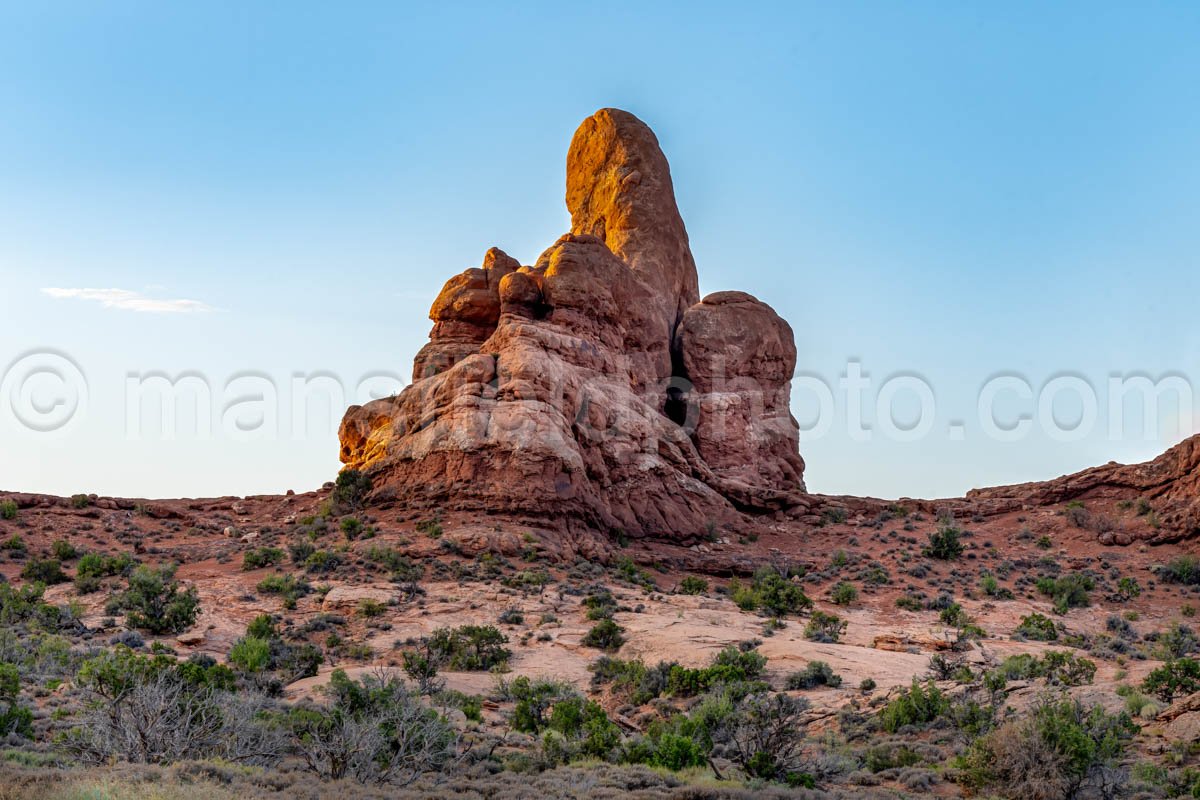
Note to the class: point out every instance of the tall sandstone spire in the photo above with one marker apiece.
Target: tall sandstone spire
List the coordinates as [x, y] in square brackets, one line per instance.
[594, 387]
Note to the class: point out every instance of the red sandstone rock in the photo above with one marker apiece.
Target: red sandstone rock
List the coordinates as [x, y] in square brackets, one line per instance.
[1170, 484]
[547, 390]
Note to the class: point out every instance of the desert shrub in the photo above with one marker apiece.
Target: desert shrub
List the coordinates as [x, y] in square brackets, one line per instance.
[260, 557]
[673, 745]
[1061, 750]
[8, 509]
[890, 756]
[1058, 667]
[374, 730]
[909, 603]
[600, 604]
[421, 665]
[351, 526]
[867, 684]
[951, 667]
[14, 717]
[692, 584]
[944, 543]
[154, 710]
[250, 654]
[991, 587]
[605, 635]
[533, 698]
[350, 489]
[321, 561]
[528, 580]
[920, 705]
[631, 680]
[630, 572]
[771, 593]
[1175, 642]
[1128, 588]
[764, 735]
[844, 593]
[470, 704]
[14, 544]
[1063, 668]
[430, 527]
[288, 587]
[729, 666]
[579, 729]
[63, 550]
[155, 602]
[47, 571]
[469, 648]
[93, 567]
[1068, 591]
[369, 608]
[1038, 627]
[1184, 569]
[815, 673]
[824, 627]
[1174, 678]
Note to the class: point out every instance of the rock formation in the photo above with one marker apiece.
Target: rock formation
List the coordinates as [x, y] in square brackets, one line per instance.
[594, 386]
[1169, 485]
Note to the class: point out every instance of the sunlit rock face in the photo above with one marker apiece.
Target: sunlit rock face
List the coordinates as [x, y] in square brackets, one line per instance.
[594, 387]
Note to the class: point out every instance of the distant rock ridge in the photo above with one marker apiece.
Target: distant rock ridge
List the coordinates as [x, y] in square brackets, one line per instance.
[594, 386]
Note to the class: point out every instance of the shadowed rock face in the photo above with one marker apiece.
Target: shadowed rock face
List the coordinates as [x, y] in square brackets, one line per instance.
[594, 386]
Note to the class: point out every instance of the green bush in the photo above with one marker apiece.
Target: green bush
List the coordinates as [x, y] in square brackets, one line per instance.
[352, 527]
[944, 543]
[322, 561]
[1068, 591]
[289, 587]
[63, 550]
[693, 585]
[470, 648]
[533, 700]
[844, 593]
[731, 665]
[430, 527]
[250, 654]
[350, 489]
[1128, 588]
[920, 705]
[155, 602]
[80, 501]
[1177, 677]
[8, 509]
[765, 737]
[47, 571]
[260, 557]
[1058, 667]
[1062, 749]
[631, 680]
[816, 673]
[93, 567]
[1184, 569]
[14, 718]
[600, 605]
[824, 627]
[771, 593]
[1038, 627]
[605, 635]
[372, 730]
[909, 603]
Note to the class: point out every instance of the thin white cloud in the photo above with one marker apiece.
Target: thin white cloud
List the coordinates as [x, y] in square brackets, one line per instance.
[127, 300]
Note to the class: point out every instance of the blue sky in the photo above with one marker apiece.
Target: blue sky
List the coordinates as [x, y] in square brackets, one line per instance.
[941, 190]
